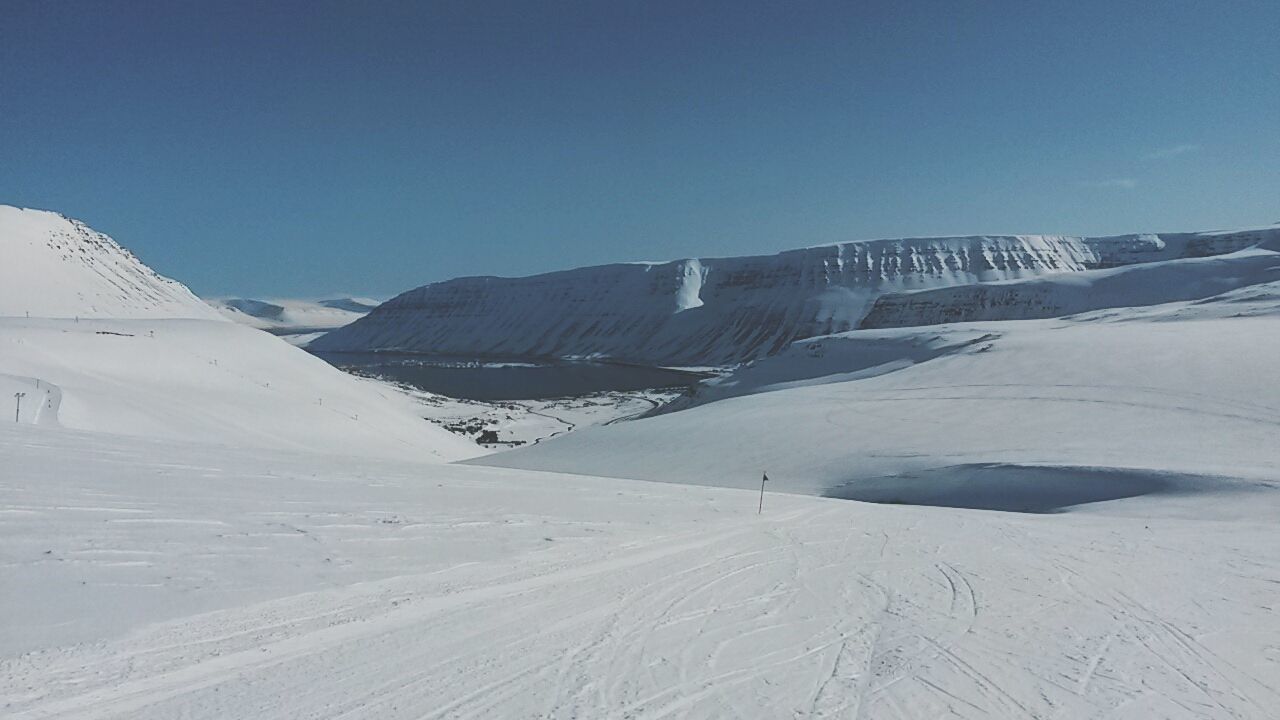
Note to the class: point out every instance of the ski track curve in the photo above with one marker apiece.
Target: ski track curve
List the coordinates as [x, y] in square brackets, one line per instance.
[800, 614]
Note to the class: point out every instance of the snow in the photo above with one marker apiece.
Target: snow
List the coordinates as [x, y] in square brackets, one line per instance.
[1057, 295]
[146, 579]
[208, 381]
[98, 341]
[198, 520]
[521, 422]
[297, 321]
[51, 266]
[723, 311]
[1182, 395]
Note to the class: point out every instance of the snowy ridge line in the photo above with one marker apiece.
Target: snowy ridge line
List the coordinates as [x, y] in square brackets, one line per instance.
[723, 311]
[1059, 295]
[60, 268]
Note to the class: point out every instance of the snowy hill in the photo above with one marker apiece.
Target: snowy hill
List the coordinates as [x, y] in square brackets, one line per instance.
[714, 311]
[56, 267]
[209, 382]
[1181, 389]
[111, 346]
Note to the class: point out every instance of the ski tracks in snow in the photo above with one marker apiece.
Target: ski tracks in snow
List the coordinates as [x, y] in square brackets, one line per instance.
[806, 613]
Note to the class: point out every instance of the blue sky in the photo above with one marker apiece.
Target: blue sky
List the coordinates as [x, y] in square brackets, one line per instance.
[313, 148]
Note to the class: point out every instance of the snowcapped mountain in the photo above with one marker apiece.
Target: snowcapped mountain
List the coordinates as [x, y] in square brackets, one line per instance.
[110, 346]
[57, 267]
[719, 311]
[297, 321]
[1064, 294]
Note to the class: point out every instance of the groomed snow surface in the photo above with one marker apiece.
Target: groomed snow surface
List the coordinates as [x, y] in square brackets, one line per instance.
[207, 381]
[156, 580]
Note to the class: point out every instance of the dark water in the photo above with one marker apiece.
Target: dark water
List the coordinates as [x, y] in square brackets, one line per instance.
[502, 380]
[1014, 488]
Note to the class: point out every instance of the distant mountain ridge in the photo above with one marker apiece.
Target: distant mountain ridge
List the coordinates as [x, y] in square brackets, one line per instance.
[722, 311]
[290, 316]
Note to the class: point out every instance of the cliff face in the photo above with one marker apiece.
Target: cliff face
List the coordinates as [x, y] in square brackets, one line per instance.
[1198, 271]
[712, 311]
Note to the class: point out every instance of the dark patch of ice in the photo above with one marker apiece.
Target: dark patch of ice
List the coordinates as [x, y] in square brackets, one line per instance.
[1023, 488]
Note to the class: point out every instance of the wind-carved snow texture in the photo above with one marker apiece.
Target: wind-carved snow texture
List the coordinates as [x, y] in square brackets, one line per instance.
[53, 266]
[720, 311]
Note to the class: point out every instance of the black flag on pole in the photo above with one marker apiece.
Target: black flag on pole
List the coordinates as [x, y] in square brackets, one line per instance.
[763, 480]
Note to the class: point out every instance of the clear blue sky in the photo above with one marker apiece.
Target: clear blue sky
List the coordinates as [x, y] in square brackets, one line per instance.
[318, 147]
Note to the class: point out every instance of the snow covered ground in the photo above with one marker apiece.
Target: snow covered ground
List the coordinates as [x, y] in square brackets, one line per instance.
[149, 579]
[204, 381]
[1182, 388]
[526, 422]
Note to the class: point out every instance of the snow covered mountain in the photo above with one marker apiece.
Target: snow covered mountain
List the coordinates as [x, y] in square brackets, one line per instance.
[52, 266]
[280, 316]
[92, 339]
[297, 321]
[1064, 294]
[718, 311]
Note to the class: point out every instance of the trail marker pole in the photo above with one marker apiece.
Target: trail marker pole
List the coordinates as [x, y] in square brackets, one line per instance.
[17, 410]
[763, 480]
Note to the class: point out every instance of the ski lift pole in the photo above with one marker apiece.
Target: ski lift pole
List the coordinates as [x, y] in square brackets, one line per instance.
[17, 409]
[763, 480]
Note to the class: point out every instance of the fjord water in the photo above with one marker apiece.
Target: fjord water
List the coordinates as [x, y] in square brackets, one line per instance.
[493, 380]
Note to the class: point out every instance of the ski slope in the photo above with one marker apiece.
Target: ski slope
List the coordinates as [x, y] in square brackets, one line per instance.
[199, 521]
[146, 579]
[95, 340]
[206, 381]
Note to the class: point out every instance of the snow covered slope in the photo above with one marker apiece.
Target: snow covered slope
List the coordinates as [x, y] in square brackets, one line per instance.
[1185, 388]
[111, 346]
[205, 381]
[146, 580]
[725, 310]
[1058, 295]
[51, 266]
